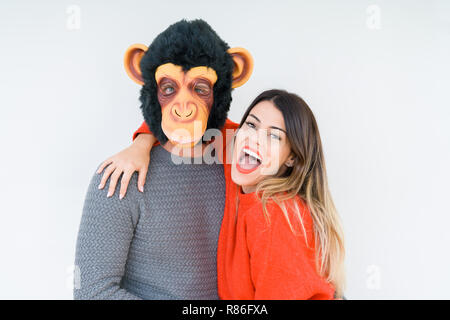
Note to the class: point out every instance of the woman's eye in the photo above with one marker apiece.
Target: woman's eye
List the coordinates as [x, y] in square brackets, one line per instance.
[274, 136]
[249, 124]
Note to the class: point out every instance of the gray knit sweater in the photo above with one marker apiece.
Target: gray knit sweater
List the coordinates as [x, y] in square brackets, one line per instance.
[160, 244]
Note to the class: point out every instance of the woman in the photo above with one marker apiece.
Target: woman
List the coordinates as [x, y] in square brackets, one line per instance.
[280, 237]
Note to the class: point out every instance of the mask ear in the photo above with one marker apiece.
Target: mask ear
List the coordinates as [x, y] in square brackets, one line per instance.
[131, 61]
[243, 66]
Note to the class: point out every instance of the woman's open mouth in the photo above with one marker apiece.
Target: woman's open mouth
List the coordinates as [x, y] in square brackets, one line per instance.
[248, 161]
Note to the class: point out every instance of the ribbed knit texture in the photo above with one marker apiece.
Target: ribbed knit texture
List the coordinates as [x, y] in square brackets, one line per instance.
[160, 244]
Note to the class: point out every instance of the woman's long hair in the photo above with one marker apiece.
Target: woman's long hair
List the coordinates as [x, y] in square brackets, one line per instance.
[308, 179]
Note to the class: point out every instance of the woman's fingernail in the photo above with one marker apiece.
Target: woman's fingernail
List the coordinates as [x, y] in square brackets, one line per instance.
[141, 188]
[109, 194]
[121, 196]
[100, 186]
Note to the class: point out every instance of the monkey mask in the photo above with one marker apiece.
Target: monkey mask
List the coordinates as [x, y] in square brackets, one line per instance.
[187, 75]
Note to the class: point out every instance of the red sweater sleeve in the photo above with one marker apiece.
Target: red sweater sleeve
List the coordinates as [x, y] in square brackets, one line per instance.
[226, 145]
[281, 264]
[228, 129]
[230, 125]
[142, 129]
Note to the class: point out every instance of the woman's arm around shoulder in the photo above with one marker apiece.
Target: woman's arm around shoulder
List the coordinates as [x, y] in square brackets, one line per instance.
[136, 157]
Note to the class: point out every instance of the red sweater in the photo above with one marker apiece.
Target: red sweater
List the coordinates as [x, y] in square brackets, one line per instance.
[261, 260]
[257, 260]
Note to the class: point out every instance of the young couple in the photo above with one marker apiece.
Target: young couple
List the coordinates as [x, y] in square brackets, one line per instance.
[280, 237]
[258, 223]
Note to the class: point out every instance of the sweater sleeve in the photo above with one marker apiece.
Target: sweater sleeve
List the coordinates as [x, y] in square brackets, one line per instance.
[142, 129]
[282, 266]
[227, 131]
[104, 238]
[224, 145]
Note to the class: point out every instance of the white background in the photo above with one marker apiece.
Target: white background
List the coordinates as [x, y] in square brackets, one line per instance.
[375, 73]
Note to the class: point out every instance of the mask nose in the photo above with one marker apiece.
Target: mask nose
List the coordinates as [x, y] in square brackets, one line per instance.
[184, 111]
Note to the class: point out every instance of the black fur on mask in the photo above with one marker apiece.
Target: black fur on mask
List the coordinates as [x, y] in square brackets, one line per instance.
[187, 44]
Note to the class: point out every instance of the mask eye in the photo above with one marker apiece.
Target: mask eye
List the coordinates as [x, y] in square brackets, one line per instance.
[202, 90]
[168, 90]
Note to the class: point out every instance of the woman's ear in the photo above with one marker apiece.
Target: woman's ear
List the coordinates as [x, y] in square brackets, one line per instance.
[243, 66]
[131, 61]
[290, 161]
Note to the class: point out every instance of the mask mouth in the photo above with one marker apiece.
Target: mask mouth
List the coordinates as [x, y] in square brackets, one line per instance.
[249, 160]
[181, 140]
[184, 137]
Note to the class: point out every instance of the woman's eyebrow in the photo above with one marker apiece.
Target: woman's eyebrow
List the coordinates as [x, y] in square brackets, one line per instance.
[254, 117]
[272, 127]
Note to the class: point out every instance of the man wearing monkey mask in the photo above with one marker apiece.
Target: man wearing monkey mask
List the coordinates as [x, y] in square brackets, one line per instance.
[161, 242]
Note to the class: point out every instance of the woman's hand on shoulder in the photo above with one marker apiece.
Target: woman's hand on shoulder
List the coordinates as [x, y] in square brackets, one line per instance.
[134, 158]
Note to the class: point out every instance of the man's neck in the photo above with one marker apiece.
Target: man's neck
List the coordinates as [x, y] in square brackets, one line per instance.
[190, 152]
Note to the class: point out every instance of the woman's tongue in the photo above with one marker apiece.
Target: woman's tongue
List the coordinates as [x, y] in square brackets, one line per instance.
[247, 162]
